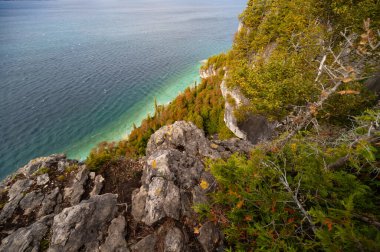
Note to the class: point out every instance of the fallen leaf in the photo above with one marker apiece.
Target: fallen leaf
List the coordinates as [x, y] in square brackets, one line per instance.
[196, 230]
[240, 204]
[204, 184]
[154, 164]
[329, 224]
[290, 220]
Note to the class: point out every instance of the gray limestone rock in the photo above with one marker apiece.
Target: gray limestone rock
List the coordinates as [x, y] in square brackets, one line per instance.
[15, 195]
[49, 202]
[138, 203]
[74, 193]
[162, 201]
[208, 72]
[43, 179]
[62, 164]
[98, 185]
[210, 237]
[79, 226]
[33, 165]
[172, 175]
[254, 128]
[31, 201]
[92, 175]
[19, 187]
[27, 238]
[174, 240]
[147, 244]
[115, 240]
[175, 166]
[183, 136]
[9, 208]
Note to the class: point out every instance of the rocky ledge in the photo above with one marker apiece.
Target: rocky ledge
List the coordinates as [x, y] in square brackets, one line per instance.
[57, 204]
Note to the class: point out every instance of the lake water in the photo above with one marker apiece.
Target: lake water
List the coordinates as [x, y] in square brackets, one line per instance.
[74, 73]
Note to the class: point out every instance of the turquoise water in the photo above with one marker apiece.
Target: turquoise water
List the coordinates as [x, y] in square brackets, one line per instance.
[74, 73]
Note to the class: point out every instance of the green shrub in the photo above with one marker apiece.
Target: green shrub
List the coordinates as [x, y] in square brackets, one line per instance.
[99, 156]
[259, 212]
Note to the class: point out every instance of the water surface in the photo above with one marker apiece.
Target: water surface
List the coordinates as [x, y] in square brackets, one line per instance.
[74, 73]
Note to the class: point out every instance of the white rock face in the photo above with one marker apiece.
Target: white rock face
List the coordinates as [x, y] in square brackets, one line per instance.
[254, 128]
[206, 73]
[229, 117]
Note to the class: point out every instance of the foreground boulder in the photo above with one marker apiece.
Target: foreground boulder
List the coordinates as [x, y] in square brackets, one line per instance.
[82, 225]
[174, 180]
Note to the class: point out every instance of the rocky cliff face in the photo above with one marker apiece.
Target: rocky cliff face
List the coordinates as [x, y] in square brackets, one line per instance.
[57, 204]
[208, 72]
[254, 128]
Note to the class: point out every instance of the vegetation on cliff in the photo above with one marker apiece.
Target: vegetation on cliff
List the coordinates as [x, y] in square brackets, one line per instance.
[279, 48]
[319, 192]
[316, 186]
[202, 104]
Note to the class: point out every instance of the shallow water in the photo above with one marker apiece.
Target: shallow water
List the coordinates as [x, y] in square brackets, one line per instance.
[74, 73]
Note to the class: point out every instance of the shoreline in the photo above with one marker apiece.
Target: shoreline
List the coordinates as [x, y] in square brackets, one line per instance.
[119, 129]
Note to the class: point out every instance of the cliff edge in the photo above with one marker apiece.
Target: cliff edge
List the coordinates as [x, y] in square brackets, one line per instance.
[57, 204]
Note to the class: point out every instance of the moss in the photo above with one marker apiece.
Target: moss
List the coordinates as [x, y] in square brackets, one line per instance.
[61, 178]
[231, 100]
[44, 244]
[42, 171]
[2, 204]
[71, 168]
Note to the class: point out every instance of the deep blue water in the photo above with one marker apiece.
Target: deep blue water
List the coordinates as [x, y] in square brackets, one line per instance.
[74, 73]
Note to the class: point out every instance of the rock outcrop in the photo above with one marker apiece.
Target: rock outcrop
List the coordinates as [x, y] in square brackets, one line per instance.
[172, 183]
[254, 128]
[46, 205]
[57, 204]
[205, 73]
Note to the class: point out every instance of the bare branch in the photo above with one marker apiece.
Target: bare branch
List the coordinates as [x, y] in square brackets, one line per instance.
[294, 194]
[321, 67]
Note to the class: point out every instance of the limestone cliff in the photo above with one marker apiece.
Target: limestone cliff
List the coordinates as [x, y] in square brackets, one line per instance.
[254, 128]
[57, 204]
